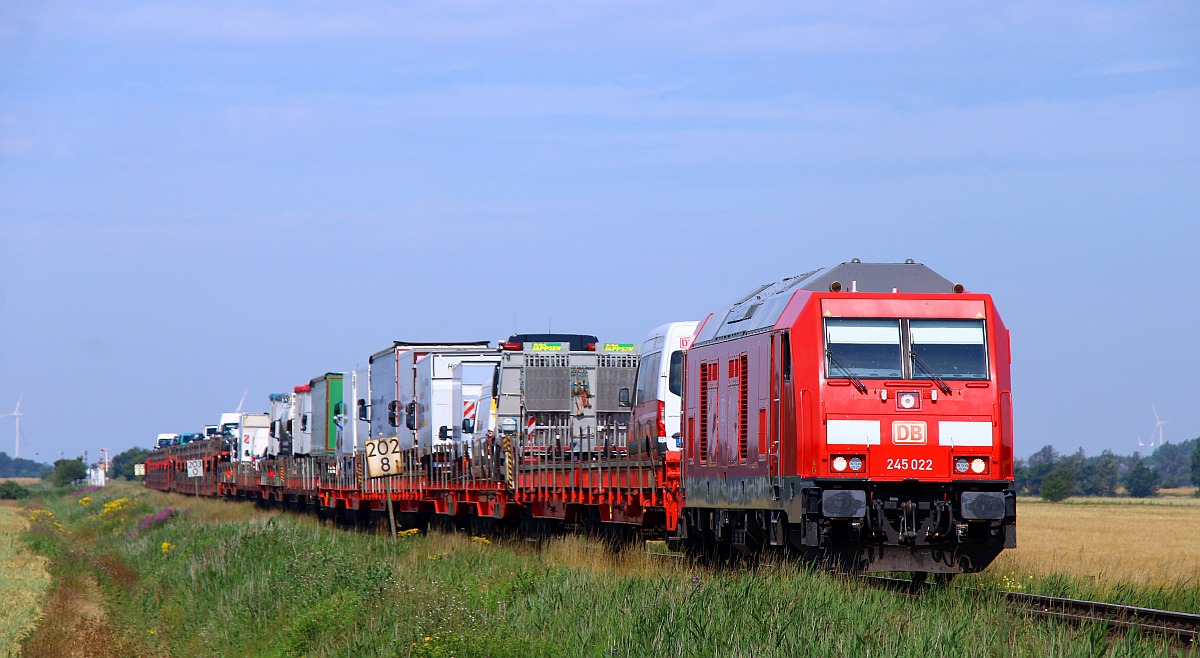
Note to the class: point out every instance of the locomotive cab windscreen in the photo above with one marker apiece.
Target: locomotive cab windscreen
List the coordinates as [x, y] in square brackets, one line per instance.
[951, 349]
[872, 348]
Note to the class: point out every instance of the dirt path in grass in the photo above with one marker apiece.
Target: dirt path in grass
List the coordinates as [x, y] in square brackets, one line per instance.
[74, 623]
[70, 620]
[23, 581]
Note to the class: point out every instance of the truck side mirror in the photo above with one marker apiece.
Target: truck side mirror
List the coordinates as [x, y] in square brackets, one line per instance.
[444, 432]
[393, 418]
[623, 397]
[468, 426]
[304, 423]
[363, 412]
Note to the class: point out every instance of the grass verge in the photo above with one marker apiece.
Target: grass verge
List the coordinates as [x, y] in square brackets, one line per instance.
[23, 580]
[196, 583]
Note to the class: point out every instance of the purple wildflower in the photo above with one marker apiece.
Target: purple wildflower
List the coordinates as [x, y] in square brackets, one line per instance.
[158, 518]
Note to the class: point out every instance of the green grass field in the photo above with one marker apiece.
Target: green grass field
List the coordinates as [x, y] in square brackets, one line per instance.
[23, 580]
[226, 580]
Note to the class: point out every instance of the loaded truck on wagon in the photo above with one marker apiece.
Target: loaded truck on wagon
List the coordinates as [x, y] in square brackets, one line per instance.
[657, 400]
[388, 370]
[563, 393]
[247, 435]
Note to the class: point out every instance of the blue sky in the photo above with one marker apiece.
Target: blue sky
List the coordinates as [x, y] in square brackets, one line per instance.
[198, 199]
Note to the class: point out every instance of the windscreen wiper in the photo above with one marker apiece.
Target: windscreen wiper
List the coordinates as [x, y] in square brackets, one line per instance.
[862, 388]
[937, 379]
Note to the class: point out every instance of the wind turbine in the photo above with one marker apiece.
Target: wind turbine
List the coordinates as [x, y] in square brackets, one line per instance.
[1158, 423]
[16, 414]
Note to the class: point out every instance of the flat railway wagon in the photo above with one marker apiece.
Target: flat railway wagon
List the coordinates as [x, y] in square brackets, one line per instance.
[167, 468]
[560, 458]
[860, 413]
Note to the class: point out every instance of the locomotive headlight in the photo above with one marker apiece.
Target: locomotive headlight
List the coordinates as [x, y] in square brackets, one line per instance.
[908, 400]
[961, 465]
[856, 464]
[839, 464]
[978, 465]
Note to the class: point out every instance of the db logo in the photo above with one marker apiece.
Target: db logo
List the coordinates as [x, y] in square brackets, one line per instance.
[909, 432]
[685, 342]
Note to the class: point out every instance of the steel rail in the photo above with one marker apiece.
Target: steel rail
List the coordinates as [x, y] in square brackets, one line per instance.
[1183, 626]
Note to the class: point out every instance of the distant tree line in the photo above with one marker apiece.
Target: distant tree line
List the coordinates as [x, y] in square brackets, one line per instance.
[1054, 476]
[66, 471]
[122, 465]
[21, 467]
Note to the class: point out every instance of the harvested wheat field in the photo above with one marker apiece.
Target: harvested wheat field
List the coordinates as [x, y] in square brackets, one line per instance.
[1151, 543]
[25, 482]
[23, 580]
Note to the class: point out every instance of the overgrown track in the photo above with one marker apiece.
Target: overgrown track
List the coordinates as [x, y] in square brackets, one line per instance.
[1183, 626]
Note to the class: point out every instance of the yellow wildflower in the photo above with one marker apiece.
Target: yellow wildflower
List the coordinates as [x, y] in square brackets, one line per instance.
[167, 546]
[114, 506]
[85, 501]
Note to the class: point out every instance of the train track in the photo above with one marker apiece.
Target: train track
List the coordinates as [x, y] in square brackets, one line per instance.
[1182, 626]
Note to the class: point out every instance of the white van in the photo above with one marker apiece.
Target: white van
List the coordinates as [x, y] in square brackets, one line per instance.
[656, 398]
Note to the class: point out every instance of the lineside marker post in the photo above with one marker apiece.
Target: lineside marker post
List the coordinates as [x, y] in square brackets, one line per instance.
[391, 516]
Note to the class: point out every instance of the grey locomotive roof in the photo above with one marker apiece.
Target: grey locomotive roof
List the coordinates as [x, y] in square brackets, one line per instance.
[880, 277]
[760, 309]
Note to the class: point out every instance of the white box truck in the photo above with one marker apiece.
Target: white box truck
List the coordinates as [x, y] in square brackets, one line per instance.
[302, 420]
[430, 409]
[249, 435]
[474, 400]
[386, 369]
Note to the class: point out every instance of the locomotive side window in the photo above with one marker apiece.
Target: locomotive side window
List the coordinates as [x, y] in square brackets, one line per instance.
[785, 357]
[952, 349]
[857, 347]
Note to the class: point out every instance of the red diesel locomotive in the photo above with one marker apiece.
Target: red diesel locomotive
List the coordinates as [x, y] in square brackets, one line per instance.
[862, 413]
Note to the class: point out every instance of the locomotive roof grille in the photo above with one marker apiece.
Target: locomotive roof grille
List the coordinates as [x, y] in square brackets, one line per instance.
[759, 310]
